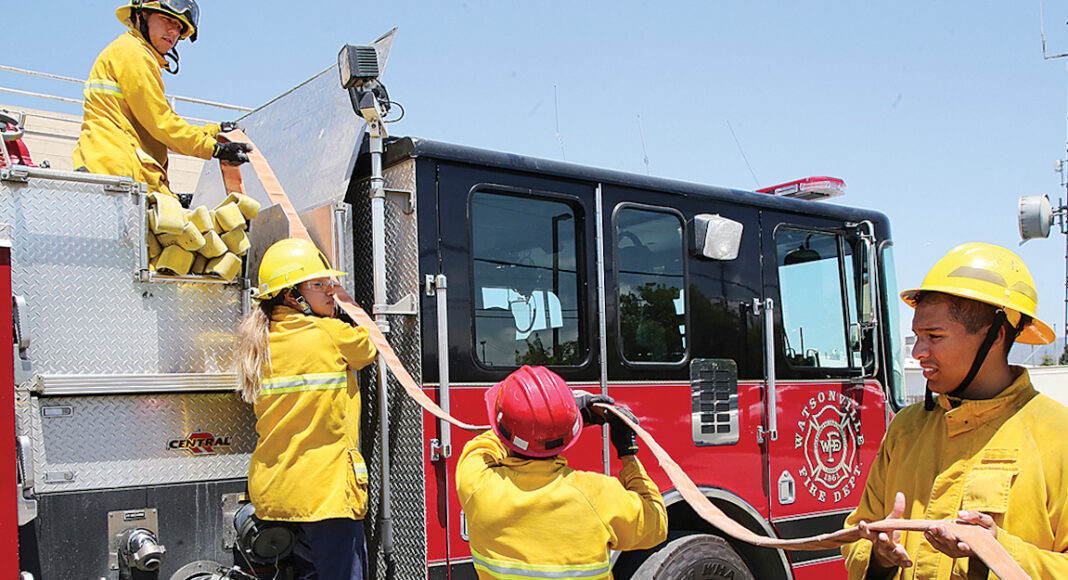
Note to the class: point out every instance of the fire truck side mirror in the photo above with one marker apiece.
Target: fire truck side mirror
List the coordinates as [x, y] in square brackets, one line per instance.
[716, 237]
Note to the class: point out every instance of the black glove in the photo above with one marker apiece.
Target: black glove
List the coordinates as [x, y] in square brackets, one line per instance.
[623, 438]
[585, 401]
[227, 126]
[232, 153]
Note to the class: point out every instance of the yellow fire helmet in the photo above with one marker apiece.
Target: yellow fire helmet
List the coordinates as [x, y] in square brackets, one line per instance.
[289, 262]
[185, 11]
[990, 274]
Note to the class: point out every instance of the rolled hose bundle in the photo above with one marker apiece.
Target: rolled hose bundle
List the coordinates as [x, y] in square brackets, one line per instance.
[212, 241]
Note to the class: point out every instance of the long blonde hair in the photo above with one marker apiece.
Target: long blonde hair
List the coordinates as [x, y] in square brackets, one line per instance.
[253, 357]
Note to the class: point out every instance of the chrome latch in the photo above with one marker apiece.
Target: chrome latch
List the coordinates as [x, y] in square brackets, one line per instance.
[439, 451]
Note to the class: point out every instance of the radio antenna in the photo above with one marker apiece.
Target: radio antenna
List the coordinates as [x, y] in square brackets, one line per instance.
[1042, 30]
[556, 113]
[645, 155]
[742, 151]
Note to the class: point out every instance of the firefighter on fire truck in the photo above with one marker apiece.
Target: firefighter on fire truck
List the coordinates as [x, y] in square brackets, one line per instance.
[294, 364]
[128, 124]
[529, 515]
[989, 450]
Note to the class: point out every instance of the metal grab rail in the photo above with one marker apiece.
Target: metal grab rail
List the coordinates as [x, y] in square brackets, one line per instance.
[173, 98]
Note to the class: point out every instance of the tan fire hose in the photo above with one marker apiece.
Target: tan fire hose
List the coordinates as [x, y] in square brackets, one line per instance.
[982, 543]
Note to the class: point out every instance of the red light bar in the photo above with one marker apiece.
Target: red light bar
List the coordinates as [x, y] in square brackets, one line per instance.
[810, 188]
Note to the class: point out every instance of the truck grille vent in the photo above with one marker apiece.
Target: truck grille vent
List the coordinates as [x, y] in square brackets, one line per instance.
[714, 398]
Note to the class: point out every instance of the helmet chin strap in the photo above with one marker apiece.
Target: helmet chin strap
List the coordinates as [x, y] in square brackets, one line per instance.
[172, 59]
[170, 56]
[980, 356]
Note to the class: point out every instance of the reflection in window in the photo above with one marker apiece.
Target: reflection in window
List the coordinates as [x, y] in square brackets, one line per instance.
[814, 311]
[525, 281]
[652, 306]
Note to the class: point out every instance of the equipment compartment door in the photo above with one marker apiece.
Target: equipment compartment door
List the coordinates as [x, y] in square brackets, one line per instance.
[830, 412]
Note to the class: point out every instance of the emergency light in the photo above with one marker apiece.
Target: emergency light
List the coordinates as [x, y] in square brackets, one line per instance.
[809, 188]
[357, 65]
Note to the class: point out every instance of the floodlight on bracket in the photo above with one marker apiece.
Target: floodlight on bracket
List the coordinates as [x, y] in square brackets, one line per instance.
[360, 73]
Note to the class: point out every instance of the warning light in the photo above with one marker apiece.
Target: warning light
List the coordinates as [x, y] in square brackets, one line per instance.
[809, 188]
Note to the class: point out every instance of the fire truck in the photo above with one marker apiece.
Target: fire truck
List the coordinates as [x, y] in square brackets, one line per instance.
[753, 333]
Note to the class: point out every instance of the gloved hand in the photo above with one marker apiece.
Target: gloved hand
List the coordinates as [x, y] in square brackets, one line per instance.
[623, 438]
[232, 153]
[585, 401]
[227, 126]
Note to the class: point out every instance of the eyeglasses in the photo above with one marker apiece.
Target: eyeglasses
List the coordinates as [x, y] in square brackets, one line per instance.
[320, 285]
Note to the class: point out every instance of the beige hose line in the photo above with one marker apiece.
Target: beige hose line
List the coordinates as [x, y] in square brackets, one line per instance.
[981, 542]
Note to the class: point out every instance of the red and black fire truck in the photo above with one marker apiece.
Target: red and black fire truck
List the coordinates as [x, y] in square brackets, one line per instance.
[754, 334]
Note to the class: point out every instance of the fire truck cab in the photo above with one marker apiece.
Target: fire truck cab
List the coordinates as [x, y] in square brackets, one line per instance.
[754, 335]
[751, 333]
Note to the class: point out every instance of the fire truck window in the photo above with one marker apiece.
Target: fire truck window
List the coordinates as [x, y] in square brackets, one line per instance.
[815, 316]
[652, 305]
[525, 280]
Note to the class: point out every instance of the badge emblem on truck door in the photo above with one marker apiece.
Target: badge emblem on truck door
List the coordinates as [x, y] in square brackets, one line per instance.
[829, 433]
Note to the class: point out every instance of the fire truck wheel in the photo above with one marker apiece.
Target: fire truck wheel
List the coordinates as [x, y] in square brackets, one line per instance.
[684, 555]
[200, 570]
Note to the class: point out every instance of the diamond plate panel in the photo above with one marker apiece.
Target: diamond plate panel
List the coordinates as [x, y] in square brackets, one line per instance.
[75, 251]
[406, 433]
[112, 441]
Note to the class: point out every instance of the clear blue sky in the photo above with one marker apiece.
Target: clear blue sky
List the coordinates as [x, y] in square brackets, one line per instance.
[939, 114]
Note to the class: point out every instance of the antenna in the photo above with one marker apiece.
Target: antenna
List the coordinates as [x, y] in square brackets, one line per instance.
[641, 135]
[556, 113]
[1042, 29]
[742, 151]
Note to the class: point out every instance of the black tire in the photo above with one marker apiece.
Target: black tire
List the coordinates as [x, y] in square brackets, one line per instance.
[684, 556]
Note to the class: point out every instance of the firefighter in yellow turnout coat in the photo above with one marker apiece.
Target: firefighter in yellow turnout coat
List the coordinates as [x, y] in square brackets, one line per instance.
[989, 451]
[296, 364]
[529, 515]
[128, 125]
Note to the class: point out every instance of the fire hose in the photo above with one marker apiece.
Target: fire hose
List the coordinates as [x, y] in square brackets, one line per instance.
[985, 546]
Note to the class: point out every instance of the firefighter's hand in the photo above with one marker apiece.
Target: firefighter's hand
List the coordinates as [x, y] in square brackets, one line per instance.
[887, 552]
[623, 438]
[947, 542]
[232, 153]
[591, 415]
[227, 126]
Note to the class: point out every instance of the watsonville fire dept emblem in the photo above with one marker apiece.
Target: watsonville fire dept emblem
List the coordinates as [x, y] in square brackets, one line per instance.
[199, 443]
[829, 433]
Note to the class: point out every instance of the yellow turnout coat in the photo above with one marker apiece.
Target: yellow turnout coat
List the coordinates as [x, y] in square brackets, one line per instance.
[128, 125]
[307, 466]
[1005, 456]
[538, 518]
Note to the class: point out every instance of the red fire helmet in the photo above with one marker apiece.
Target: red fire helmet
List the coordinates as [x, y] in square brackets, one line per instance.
[533, 412]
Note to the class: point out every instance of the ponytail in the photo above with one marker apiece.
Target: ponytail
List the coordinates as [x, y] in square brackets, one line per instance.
[253, 356]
